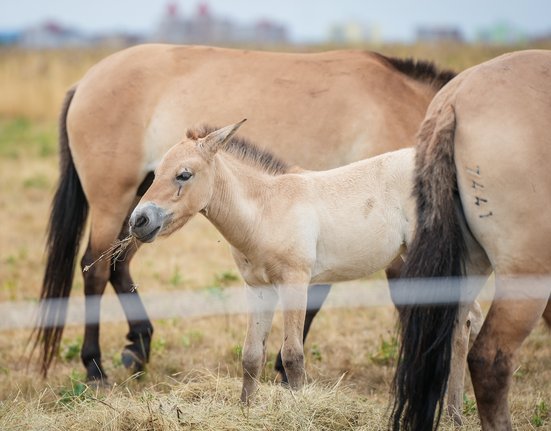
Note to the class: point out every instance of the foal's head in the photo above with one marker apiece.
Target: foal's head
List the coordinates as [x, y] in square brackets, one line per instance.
[182, 187]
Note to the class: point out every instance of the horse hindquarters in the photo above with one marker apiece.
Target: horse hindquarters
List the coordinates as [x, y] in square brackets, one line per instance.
[520, 258]
[502, 157]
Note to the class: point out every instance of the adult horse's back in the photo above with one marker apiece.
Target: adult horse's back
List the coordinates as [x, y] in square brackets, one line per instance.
[131, 107]
[486, 140]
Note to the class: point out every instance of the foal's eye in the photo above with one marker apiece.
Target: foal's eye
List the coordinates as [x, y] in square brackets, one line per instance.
[184, 176]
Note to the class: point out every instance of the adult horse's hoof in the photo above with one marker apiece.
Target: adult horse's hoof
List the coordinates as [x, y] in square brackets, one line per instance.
[95, 376]
[99, 384]
[132, 359]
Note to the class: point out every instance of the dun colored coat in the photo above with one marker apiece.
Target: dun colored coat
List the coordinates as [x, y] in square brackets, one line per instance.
[287, 228]
[318, 110]
[482, 169]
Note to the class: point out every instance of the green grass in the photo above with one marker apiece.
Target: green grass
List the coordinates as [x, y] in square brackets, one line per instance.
[469, 405]
[315, 353]
[226, 278]
[76, 391]
[387, 352]
[237, 352]
[192, 338]
[20, 137]
[542, 414]
[37, 182]
[71, 350]
[177, 278]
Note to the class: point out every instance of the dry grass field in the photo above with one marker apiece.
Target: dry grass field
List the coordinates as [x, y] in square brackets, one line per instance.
[193, 381]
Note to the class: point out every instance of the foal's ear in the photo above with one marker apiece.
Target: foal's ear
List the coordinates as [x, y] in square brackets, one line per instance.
[216, 140]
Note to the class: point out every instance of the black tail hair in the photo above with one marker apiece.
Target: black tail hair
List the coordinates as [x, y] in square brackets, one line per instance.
[437, 250]
[67, 221]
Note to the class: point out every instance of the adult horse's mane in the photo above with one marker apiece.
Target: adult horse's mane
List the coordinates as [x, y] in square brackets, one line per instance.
[244, 150]
[421, 70]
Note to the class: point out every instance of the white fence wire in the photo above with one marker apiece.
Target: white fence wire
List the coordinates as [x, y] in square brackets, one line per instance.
[233, 300]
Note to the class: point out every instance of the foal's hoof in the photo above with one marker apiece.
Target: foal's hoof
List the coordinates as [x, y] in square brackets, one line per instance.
[132, 360]
[283, 378]
[281, 370]
[455, 415]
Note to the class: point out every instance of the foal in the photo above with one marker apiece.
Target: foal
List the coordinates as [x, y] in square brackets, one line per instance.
[288, 228]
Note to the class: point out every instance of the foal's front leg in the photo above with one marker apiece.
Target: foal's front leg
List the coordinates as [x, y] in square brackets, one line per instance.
[261, 302]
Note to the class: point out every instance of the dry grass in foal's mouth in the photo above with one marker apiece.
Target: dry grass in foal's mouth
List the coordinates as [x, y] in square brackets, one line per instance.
[115, 253]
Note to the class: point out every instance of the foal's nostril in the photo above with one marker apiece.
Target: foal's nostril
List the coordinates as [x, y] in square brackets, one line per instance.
[141, 221]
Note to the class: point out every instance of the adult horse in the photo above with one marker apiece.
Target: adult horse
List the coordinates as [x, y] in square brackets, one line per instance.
[123, 115]
[482, 168]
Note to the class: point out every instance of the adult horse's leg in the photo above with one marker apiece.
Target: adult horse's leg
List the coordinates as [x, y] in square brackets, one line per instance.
[547, 314]
[261, 302]
[317, 294]
[140, 330]
[95, 280]
[104, 230]
[512, 316]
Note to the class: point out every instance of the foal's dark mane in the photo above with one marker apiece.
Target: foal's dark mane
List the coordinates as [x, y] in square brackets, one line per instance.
[244, 150]
[421, 70]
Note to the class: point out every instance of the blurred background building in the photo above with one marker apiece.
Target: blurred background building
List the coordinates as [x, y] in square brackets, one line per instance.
[439, 33]
[201, 24]
[206, 27]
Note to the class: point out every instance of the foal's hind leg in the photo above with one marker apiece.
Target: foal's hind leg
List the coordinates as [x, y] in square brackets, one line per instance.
[513, 314]
[317, 294]
[293, 291]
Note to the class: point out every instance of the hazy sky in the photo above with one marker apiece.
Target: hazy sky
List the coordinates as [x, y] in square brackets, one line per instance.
[306, 19]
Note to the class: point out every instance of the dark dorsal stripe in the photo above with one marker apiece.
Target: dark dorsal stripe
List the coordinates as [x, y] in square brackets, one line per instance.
[244, 150]
[421, 70]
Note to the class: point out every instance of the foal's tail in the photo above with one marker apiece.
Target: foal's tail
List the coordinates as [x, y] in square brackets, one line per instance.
[66, 224]
[437, 250]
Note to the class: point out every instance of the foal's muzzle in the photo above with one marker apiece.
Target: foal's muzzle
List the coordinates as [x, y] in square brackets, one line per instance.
[146, 221]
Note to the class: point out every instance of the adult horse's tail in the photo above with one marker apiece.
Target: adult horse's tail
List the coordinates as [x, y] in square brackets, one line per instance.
[437, 250]
[67, 222]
